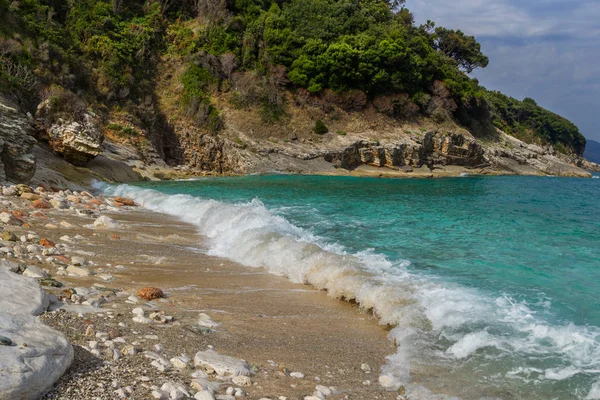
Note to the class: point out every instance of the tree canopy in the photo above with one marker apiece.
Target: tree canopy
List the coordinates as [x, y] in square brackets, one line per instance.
[110, 48]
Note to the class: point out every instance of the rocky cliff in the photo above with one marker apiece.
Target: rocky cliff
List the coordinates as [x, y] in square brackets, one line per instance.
[356, 145]
[16, 143]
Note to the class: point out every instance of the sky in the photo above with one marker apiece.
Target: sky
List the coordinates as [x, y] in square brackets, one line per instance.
[548, 50]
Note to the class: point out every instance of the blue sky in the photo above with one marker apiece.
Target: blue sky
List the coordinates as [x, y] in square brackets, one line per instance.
[548, 50]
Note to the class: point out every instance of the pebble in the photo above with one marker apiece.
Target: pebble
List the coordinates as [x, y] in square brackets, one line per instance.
[241, 380]
[297, 375]
[204, 395]
[181, 362]
[4, 341]
[78, 271]
[206, 321]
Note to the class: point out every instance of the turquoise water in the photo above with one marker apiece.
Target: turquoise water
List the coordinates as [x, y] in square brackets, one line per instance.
[493, 283]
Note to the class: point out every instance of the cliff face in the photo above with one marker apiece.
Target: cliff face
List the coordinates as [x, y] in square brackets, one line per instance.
[358, 143]
[16, 144]
[364, 143]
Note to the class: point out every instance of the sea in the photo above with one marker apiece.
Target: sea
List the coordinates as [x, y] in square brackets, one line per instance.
[490, 285]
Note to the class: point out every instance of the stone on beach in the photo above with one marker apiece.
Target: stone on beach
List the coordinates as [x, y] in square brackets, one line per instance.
[241, 380]
[41, 356]
[42, 204]
[9, 236]
[159, 362]
[125, 201]
[78, 271]
[47, 243]
[30, 196]
[139, 316]
[35, 272]
[105, 222]
[150, 293]
[20, 294]
[180, 362]
[222, 365]
[206, 321]
[60, 204]
[10, 219]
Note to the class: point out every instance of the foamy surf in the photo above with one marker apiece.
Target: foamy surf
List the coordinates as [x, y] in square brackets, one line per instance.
[498, 346]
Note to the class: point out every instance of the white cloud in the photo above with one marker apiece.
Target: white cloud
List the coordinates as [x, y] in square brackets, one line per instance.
[546, 49]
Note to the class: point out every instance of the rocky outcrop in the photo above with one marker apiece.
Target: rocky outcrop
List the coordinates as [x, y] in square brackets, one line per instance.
[509, 155]
[435, 148]
[77, 137]
[32, 355]
[206, 152]
[16, 144]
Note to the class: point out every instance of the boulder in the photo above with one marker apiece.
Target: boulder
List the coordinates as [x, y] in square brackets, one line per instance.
[27, 372]
[16, 144]
[77, 136]
[20, 294]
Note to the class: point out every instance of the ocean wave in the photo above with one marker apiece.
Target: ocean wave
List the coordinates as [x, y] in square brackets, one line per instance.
[458, 329]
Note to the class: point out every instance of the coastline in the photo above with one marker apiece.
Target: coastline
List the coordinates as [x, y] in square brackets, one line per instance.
[295, 326]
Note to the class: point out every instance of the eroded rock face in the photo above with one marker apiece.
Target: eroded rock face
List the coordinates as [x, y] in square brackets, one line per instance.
[77, 137]
[436, 148]
[16, 144]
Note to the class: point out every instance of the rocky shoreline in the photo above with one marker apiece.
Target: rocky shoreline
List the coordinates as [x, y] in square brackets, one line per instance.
[64, 256]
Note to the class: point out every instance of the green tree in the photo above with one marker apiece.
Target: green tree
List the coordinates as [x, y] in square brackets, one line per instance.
[463, 49]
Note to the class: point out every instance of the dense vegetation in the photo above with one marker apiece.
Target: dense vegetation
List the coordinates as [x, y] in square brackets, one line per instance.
[530, 122]
[349, 51]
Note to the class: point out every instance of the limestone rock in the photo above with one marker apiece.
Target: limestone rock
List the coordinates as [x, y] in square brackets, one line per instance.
[26, 372]
[20, 294]
[33, 271]
[76, 137]
[241, 380]
[105, 222]
[78, 271]
[436, 148]
[16, 144]
[222, 365]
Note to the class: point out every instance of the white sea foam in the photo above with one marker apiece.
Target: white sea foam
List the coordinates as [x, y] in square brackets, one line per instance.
[433, 321]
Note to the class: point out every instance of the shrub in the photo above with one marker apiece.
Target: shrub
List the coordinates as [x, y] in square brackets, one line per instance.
[320, 128]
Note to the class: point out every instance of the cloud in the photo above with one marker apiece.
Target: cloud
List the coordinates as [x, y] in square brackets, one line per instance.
[546, 49]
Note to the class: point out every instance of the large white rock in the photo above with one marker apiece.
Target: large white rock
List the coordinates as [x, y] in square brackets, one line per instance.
[20, 294]
[222, 365]
[26, 372]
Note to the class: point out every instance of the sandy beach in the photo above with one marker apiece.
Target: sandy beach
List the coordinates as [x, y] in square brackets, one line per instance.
[292, 336]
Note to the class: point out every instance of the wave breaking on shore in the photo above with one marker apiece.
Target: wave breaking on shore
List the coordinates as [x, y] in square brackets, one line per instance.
[470, 337]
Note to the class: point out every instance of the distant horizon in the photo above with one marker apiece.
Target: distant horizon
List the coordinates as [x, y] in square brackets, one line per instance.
[546, 51]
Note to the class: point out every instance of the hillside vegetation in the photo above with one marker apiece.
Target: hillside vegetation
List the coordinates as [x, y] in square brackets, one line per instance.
[261, 54]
